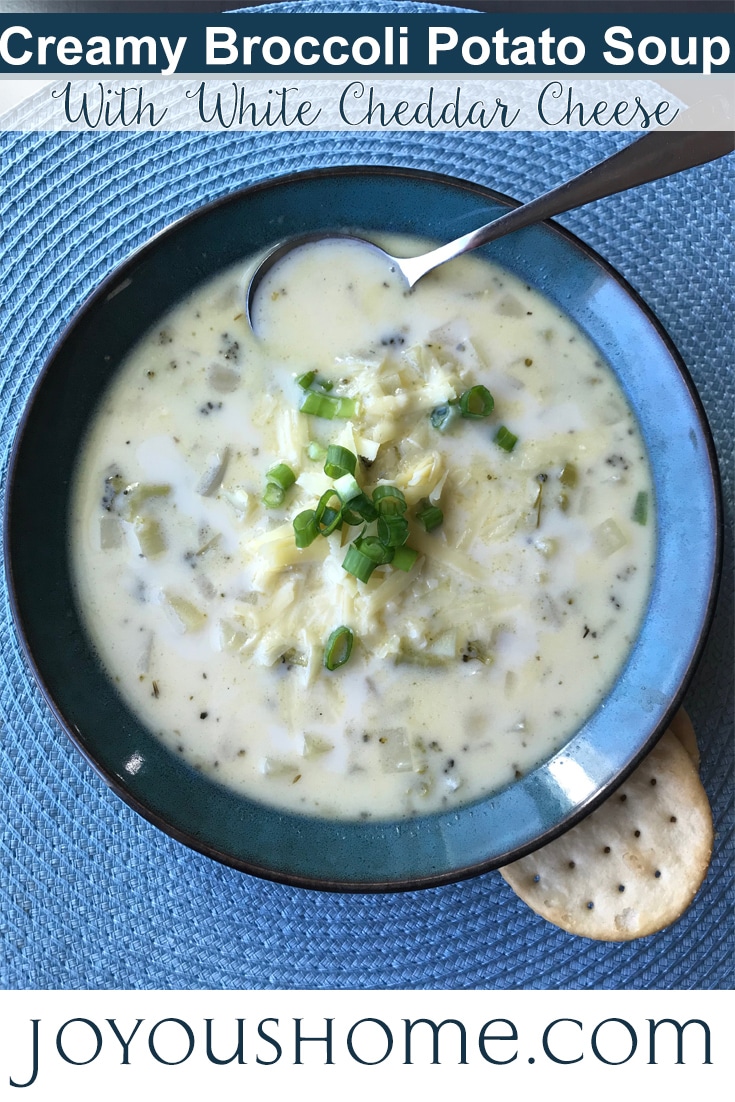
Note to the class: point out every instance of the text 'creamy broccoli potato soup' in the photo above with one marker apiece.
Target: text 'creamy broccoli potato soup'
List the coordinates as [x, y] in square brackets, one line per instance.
[377, 561]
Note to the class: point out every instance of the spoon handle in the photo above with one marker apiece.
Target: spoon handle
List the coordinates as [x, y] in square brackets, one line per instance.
[658, 154]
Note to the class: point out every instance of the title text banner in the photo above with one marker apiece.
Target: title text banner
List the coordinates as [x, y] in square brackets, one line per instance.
[101, 44]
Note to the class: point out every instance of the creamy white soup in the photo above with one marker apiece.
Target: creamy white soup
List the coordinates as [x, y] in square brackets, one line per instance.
[379, 560]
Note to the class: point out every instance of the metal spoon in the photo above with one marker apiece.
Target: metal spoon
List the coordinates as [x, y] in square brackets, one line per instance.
[660, 153]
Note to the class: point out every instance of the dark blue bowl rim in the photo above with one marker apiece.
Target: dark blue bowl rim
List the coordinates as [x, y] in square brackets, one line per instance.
[408, 882]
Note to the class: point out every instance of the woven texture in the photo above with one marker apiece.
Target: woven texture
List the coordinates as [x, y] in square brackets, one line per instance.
[91, 896]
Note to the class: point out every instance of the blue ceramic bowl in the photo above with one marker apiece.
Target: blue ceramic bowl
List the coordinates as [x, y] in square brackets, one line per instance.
[376, 856]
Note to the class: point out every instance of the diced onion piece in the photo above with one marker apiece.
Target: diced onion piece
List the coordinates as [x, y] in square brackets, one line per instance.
[547, 547]
[509, 307]
[315, 746]
[444, 646]
[395, 750]
[232, 637]
[214, 472]
[150, 537]
[145, 656]
[137, 493]
[294, 657]
[240, 501]
[315, 450]
[280, 767]
[209, 544]
[477, 651]
[608, 538]
[205, 587]
[110, 533]
[186, 616]
[417, 655]
[223, 378]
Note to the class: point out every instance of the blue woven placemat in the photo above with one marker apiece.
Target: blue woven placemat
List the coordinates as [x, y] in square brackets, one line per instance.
[91, 896]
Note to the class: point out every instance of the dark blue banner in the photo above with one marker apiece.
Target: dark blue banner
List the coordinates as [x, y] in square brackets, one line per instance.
[617, 43]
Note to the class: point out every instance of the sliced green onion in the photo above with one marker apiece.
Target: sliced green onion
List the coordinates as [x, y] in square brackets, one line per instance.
[505, 439]
[282, 475]
[339, 461]
[324, 405]
[357, 563]
[430, 515]
[273, 495]
[315, 450]
[338, 648]
[360, 509]
[640, 509]
[330, 521]
[404, 558]
[375, 549]
[389, 499]
[476, 403]
[443, 416]
[306, 379]
[326, 518]
[392, 530]
[304, 527]
[347, 488]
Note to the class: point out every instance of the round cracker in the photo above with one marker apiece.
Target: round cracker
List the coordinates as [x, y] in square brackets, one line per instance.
[635, 863]
[682, 727]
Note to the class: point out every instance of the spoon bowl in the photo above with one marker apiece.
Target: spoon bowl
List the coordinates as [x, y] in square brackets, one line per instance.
[652, 157]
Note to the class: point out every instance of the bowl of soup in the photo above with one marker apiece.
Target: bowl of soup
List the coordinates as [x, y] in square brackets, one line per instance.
[390, 591]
